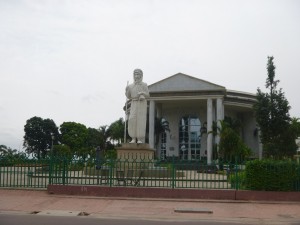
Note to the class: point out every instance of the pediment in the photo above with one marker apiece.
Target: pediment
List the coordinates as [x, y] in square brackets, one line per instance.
[181, 82]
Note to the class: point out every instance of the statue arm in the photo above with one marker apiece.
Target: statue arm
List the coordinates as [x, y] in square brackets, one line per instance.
[127, 92]
[145, 91]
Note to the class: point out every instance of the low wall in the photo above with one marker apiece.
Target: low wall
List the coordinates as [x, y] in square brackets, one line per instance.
[267, 196]
[140, 192]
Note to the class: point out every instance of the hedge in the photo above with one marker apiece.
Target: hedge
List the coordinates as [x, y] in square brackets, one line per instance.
[271, 175]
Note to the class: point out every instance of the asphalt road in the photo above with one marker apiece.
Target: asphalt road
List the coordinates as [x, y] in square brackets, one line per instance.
[25, 219]
[26, 207]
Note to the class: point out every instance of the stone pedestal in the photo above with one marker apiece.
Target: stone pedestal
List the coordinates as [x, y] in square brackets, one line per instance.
[135, 156]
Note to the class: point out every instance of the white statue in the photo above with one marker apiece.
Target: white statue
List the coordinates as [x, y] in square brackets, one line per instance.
[137, 92]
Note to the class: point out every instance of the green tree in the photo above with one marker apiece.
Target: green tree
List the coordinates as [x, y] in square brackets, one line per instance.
[116, 131]
[75, 136]
[231, 143]
[40, 135]
[105, 136]
[4, 150]
[272, 116]
[94, 140]
[295, 126]
[62, 150]
[11, 155]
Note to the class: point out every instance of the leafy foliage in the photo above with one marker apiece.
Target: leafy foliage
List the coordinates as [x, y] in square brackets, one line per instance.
[105, 136]
[75, 136]
[4, 150]
[272, 116]
[271, 175]
[111, 154]
[116, 131]
[238, 179]
[62, 151]
[74, 139]
[94, 139]
[231, 143]
[10, 155]
[295, 126]
[38, 136]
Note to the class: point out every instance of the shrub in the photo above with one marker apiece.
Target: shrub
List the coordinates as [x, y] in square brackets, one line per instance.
[271, 175]
[237, 180]
[76, 166]
[111, 154]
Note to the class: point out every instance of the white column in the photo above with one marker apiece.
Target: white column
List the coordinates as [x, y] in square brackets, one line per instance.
[209, 129]
[151, 123]
[220, 109]
[159, 116]
[220, 116]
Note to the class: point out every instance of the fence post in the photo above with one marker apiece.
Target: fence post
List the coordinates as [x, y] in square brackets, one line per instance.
[298, 175]
[173, 172]
[64, 171]
[236, 173]
[50, 169]
[98, 163]
[110, 172]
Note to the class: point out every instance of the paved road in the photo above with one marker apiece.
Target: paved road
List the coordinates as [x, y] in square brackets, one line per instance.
[43, 204]
[13, 219]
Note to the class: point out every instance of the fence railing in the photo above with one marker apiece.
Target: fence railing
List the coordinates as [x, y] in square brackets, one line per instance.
[140, 173]
[24, 173]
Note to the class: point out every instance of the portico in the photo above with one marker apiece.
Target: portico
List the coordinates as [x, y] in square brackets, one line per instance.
[190, 106]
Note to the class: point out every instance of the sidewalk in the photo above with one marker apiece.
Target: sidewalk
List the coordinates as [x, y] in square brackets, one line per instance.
[40, 202]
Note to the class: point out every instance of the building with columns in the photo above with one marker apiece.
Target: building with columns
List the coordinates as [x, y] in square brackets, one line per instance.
[188, 106]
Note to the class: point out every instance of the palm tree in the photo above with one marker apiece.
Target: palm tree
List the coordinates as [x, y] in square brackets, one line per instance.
[104, 134]
[116, 131]
[4, 150]
[230, 143]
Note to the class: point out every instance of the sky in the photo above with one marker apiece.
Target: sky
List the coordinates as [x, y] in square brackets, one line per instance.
[70, 60]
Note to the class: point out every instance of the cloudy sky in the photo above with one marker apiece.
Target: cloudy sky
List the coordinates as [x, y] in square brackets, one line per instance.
[71, 60]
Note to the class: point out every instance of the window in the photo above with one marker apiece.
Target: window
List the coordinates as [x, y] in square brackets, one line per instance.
[163, 146]
[189, 138]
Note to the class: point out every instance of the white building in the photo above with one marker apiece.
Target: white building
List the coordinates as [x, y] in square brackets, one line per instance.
[190, 105]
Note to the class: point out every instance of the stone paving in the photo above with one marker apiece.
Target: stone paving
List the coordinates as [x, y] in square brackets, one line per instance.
[42, 203]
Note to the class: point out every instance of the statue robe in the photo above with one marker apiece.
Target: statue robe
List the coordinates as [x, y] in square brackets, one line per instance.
[138, 110]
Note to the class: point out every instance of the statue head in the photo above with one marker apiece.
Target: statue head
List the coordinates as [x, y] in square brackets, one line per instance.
[138, 75]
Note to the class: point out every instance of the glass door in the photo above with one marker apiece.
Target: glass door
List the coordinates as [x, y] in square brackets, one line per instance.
[189, 138]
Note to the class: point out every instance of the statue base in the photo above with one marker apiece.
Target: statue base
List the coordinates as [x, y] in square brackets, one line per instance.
[135, 152]
[135, 156]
